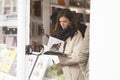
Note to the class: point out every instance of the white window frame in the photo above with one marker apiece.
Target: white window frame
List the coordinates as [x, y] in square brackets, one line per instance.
[23, 36]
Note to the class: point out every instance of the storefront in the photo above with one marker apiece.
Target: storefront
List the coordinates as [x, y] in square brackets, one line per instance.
[13, 21]
[21, 23]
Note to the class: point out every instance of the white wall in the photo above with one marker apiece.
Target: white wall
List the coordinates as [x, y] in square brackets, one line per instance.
[105, 40]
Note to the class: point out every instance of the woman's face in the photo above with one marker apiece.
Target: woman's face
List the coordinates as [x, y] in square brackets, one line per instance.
[64, 22]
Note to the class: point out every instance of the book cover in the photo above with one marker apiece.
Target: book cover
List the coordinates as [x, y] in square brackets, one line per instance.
[30, 60]
[40, 67]
[8, 60]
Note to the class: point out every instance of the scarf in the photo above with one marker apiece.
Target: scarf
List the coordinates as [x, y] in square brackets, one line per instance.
[63, 34]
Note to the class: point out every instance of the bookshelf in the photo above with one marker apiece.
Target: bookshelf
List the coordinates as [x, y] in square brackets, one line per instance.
[81, 7]
[39, 20]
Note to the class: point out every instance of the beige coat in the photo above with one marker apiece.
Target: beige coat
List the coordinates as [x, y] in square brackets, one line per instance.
[84, 53]
[75, 66]
[70, 64]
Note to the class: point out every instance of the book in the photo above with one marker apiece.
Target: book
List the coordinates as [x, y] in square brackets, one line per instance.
[8, 60]
[30, 60]
[7, 64]
[55, 53]
[55, 46]
[39, 68]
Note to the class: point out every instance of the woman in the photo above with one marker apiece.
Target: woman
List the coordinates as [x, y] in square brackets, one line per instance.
[66, 30]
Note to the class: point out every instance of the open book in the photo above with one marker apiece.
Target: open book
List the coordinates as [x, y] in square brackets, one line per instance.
[55, 46]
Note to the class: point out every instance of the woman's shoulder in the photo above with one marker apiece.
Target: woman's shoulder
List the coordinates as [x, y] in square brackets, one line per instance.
[77, 36]
[78, 33]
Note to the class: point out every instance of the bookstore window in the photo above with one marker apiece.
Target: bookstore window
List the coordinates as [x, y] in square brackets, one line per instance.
[34, 60]
[8, 39]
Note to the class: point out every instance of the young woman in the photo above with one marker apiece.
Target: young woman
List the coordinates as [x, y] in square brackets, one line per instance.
[66, 29]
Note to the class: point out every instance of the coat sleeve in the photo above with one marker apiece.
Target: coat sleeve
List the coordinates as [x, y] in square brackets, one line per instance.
[80, 54]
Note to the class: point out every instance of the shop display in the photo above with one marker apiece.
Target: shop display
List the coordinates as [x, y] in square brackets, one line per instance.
[48, 69]
[8, 39]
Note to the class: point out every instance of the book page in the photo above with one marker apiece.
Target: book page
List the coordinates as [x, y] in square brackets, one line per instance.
[55, 44]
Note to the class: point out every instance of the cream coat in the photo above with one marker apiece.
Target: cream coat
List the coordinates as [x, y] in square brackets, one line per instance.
[70, 64]
[84, 53]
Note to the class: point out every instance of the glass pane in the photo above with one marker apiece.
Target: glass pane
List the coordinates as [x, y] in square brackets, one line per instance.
[8, 39]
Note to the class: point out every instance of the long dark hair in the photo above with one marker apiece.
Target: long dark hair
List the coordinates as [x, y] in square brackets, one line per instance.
[63, 34]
